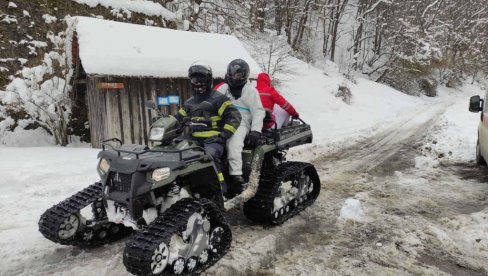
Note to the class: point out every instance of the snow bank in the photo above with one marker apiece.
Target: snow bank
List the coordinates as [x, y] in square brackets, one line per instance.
[114, 48]
[334, 123]
[20, 137]
[455, 137]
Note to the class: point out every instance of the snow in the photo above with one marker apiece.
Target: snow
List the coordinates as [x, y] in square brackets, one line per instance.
[12, 5]
[26, 13]
[127, 6]
[22, 61]
[45, 174]
[49, 18]
[457, 140]
[9, 19]
[20, 137]
[138, 50]
[373, 106]
[351, 210]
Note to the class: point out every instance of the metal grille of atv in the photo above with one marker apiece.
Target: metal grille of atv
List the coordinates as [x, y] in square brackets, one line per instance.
[120, 182]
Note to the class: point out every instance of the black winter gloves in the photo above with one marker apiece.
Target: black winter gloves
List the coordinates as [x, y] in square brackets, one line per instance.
[255, 139]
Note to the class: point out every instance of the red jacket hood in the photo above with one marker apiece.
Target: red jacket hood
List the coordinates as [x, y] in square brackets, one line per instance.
[264, 82]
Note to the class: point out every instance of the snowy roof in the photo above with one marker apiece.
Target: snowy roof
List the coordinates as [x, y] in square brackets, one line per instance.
[123, 49]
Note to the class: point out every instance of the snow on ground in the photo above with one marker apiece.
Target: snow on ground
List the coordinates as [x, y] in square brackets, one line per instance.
[312, 92]
[441, 199]
[458, 128]
[33, 179]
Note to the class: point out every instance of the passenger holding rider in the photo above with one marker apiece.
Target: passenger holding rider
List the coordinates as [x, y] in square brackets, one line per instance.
[214, 116]
[246, 99]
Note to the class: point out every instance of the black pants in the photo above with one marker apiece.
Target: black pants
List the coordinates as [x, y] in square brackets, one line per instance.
[216, 150]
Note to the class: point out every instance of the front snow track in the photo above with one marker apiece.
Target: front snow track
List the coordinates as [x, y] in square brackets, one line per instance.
[187, 238]
[64, 224]
[283, 192]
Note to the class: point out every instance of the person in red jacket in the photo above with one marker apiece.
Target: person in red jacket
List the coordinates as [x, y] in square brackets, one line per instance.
[270, 97]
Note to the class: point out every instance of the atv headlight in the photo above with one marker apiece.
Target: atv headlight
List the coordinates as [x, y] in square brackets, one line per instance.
[104, 166]
[156, 134]
[161, 174]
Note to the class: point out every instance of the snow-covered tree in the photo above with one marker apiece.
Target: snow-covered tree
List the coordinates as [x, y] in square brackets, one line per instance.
[42, 92]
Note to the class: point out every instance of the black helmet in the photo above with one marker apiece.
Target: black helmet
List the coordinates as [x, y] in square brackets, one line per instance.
[200, 78]
[237, 73]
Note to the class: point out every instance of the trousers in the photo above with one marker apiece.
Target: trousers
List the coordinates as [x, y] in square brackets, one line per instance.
[234, 150]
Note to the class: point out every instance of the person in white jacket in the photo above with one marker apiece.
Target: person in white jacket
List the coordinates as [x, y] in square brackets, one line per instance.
[246, 99]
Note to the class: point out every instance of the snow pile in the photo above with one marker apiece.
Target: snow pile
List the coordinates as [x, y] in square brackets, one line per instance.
[351, 210]
[138, 50]
[423, 162]
[457, 131]
[470, 232]
[465, 236]
[21, 137]
[128, 6]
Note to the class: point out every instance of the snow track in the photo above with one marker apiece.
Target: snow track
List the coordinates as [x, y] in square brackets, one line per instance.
[367, 154]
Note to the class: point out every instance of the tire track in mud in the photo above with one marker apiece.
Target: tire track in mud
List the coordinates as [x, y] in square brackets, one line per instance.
[315, 242]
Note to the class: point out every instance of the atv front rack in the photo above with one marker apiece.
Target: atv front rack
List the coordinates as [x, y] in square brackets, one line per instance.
[179, 153]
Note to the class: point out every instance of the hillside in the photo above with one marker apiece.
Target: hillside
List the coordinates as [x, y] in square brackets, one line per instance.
[25, 27]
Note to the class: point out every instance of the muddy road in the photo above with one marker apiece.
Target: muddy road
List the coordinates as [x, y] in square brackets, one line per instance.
[421, 215]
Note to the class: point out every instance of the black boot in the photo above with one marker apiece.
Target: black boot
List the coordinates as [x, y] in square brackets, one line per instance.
[237, 186]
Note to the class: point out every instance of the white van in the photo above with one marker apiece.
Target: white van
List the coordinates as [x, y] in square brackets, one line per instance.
[477, 104]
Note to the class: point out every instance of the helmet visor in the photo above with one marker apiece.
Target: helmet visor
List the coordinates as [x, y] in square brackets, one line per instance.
[199, 80]
[237, 73]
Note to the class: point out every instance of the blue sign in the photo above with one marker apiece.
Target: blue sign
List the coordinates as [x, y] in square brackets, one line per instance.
[163, 101]
[174, 99]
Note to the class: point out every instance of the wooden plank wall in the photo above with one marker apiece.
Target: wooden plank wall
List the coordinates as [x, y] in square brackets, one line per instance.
[96, 112]
[121, 113]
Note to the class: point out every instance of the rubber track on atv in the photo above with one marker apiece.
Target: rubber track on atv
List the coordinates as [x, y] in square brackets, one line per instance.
[260, 207]
[53, 217]
[140, 248]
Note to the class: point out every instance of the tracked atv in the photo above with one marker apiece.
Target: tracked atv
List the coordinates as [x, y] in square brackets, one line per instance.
[170, 196]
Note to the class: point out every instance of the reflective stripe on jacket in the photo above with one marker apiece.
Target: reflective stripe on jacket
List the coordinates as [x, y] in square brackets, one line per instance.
[214, 110]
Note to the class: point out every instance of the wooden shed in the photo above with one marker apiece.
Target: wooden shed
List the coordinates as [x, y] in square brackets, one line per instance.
[122, 65]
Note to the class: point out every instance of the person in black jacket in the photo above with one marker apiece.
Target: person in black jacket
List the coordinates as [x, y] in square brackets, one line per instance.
[215, 116]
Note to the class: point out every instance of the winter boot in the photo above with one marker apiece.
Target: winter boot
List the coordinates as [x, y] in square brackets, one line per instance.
[237, 186]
